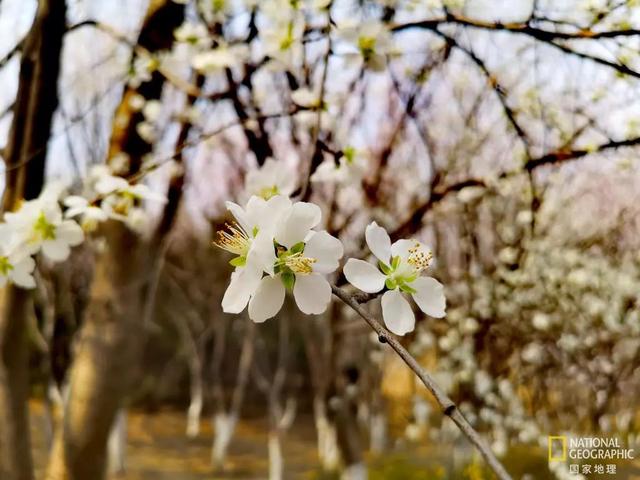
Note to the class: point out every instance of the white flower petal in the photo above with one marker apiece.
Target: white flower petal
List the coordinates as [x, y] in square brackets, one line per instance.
[109, 184]
[364, 276]
[326, 249]
[294, 228]
[275, 208]
[22, 271]
[312, 293]
[379, 242]
[23, 279]
[240, 215]
[254, 212]
[70, 232]
[56, 250]
[244, 282]
[268, 299]
[75, 201]
[262, 253]
[397, 313]
[429, 296]
[401, 248]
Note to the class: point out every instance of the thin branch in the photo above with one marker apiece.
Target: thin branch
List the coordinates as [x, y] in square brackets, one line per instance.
[548, 37]
[413, 222]
[446, 404]
[524, 28]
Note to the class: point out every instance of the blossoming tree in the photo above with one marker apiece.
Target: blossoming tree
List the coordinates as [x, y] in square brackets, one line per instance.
[329, 138]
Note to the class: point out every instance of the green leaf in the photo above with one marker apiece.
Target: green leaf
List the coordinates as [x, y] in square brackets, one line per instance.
[238, 261]
[288, 280]
[297, 248]
[255, 231]
[386, 269]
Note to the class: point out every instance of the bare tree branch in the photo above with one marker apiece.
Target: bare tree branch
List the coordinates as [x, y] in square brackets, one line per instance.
[446, 404]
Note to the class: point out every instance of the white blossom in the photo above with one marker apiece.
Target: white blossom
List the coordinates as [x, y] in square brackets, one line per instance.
[250, 239]
[304, 257]
[14, 267]
[39, 226]
[400, 268]
[276, 237]
[273, 178]
[368, 42]
[350, 169]
[90, 215]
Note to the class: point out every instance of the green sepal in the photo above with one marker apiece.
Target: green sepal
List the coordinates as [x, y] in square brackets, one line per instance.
[384, 268]
[297, 248]
[395, 262]
[390, 283]
[288, 280]
[407, 289]
[238, 261]
[410, 278]
[255, 231]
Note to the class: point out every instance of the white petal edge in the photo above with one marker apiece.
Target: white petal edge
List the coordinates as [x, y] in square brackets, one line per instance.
[56, 250]
[326, 249]
[268, 299]
[429, 296]
[364, 276]
[312, 293]
[244, 282]
[379, 242]
[397, 313]
[240, 215]
[294, 228]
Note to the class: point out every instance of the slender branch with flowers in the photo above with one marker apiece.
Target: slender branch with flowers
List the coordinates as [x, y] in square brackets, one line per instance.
[278, 248]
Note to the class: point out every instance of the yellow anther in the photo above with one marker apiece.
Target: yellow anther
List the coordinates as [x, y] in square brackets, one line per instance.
[419, 259]
[233, 239]
[298, 263]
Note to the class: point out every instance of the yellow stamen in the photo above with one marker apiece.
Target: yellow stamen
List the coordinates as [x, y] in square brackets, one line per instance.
[298, 263]
[419, 259]
[233, 239]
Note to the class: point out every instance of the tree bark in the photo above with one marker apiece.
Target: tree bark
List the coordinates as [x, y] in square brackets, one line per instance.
[122, 292]
[25, 154]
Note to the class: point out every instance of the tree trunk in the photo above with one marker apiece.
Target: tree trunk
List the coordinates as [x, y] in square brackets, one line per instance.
[195, 406]
[118, 444]
[276, 463]
[102, 370]
[122, 292]
[15, 446]
[25, 154]
[224, 425]
[328, 450]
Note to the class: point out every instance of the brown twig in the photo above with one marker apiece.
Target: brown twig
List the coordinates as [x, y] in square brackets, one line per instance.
[448, 407]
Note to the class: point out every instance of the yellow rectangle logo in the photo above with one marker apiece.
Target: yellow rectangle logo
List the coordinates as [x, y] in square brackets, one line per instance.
[557, 454]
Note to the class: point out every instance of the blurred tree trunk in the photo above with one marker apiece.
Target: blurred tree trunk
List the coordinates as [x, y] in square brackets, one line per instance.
[25, 154]
[122, 292]
[225, 420]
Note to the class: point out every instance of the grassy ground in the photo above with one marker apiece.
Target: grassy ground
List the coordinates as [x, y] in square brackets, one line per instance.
[158, 450]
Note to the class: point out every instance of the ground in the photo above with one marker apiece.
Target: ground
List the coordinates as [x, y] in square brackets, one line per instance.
[159, 450]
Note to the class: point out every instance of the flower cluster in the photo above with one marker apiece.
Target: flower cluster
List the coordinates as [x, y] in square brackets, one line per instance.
[107, 196]
[43, 226]
[277, 248]
[37, 226]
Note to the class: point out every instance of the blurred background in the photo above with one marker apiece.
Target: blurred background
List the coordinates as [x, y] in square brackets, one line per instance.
[503, 134]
